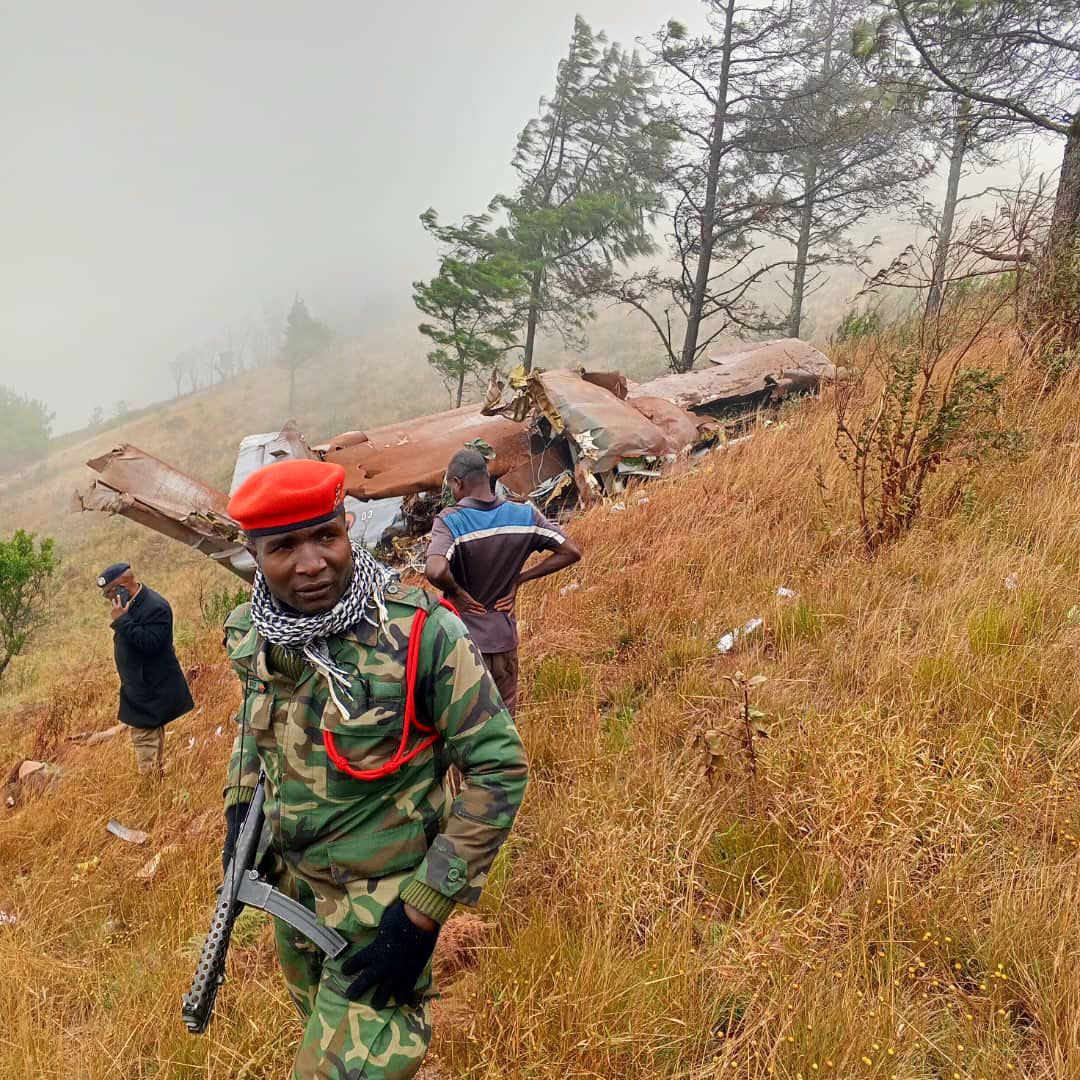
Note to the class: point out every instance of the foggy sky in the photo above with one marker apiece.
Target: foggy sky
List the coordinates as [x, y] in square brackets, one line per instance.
[171, 168]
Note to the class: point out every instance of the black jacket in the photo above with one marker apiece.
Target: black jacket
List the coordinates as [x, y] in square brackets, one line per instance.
[153, 690]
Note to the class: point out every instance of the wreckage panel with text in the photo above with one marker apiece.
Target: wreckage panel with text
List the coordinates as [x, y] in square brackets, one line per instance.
[560, 438]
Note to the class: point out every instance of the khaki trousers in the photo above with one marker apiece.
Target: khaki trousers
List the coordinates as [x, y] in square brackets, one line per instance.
[149, 747]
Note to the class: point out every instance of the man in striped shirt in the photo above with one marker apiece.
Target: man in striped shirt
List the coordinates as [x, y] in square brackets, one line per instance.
[476, 556]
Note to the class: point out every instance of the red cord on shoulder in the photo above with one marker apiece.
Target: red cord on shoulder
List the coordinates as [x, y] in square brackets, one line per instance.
[401, 755]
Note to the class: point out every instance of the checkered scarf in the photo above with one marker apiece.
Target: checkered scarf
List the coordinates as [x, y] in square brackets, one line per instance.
[362, 600]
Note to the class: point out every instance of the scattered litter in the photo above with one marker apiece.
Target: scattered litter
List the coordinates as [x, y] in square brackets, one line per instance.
[733, 637]
[642, 500]
[87, 867]
[572, 587]
[202, 824]
[91, 738]
[28, 775]
[8, 918]
[43, 770]
[122, 832]
[218, 730]
[786, 593]
[1012, 583]
[147, 871]
[149, 868]
[1073, 614]
[618, 507]
[191, 743]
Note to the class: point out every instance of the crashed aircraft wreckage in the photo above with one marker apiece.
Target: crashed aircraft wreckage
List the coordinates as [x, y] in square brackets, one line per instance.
[561, 439]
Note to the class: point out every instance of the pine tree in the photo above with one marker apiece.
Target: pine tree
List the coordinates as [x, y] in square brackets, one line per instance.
[720, 203]
[305, 337]
[590, 167]
[1020, 61]
[845, 149]
[475, 301]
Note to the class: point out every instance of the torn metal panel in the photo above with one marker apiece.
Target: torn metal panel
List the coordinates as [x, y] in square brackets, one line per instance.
[549, 457]
[765, 370]
[612, 381]
[552, 490]
[604, 428]
[411, 456]
[188, 528]
[129, 469]
[681, 428]
[146, 490]
[373, 522]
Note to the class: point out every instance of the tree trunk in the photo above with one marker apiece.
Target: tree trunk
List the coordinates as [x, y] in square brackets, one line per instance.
[1065, 227]
[810, 180]
[802, 248]
[961, 133]
[460, 388]
[534, 317]
[708, 207]
[292, 389]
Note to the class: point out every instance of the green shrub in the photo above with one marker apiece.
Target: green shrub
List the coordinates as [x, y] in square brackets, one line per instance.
[217, 604]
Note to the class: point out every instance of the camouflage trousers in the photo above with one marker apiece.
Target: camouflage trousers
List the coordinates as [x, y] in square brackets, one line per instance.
[343, 1039]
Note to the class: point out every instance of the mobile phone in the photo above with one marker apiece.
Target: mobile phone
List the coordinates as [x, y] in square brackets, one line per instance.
[123, 595]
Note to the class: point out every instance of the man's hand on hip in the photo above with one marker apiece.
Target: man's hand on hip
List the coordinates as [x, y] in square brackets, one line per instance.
[506, 603]
[466, 603]
[392, 964]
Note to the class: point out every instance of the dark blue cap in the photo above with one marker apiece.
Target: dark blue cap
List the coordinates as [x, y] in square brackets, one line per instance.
[111, 573]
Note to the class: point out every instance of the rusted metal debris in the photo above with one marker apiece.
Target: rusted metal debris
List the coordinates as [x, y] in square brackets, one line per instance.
[560, 438]
[410, 456]
[149, 491]
[766, 371]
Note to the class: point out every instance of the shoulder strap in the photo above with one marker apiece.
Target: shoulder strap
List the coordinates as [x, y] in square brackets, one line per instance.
[412, 664]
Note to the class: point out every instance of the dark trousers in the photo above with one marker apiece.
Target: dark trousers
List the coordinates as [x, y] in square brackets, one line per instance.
[504, 670]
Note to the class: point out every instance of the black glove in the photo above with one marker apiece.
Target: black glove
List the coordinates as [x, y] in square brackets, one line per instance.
[234, 818]
[393, 962]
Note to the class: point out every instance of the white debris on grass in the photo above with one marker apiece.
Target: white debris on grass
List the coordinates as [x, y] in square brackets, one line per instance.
[122, 832]
[736, 636]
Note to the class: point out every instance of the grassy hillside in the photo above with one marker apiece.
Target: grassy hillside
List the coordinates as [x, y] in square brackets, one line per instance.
[896, 894]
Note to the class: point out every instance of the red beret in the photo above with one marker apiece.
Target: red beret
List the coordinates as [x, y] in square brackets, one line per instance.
[288, 495]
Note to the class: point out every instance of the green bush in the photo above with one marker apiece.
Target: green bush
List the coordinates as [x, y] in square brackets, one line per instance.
[217, 604]
[857, 324]
[25, 572]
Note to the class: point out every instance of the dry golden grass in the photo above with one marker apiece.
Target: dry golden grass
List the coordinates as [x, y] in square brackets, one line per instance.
[898, 894]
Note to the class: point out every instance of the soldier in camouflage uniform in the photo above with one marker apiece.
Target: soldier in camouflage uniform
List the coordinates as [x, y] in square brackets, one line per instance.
[378, 856]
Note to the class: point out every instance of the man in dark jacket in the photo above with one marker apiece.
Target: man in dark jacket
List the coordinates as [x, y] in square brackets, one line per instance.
[153, 689]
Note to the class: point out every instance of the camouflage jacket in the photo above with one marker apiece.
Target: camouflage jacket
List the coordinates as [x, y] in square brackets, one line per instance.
[347, 847]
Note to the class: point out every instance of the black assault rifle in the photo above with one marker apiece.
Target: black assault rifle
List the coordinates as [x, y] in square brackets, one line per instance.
[242, 885]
